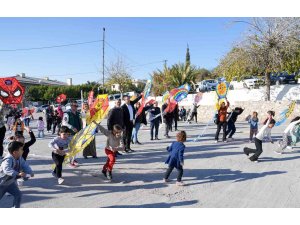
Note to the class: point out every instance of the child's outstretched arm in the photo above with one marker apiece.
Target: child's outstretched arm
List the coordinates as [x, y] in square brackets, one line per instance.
[103, 130]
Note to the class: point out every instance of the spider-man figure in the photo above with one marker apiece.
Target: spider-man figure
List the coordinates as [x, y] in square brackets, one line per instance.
[11, 92]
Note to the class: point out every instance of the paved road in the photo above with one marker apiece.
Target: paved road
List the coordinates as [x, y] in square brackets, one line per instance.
[216, 175]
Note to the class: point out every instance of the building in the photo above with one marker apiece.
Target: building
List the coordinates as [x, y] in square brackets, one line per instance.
[31, 81]
[135, 82]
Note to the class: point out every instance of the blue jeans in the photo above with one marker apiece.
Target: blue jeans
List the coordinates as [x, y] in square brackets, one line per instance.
[135, 132]
[40, 134]
[14, 191]
[26, 122]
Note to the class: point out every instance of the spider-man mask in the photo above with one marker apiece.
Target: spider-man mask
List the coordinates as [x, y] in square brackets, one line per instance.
[11, 92]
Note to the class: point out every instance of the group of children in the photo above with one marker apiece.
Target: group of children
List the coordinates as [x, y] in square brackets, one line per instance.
[14, 165]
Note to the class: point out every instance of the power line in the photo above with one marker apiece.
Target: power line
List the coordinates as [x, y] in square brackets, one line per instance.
[125, 56]
[47, 47]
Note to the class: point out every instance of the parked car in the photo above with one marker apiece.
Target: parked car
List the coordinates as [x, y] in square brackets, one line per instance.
[246, 82]
[41, 108]
[286, 78]
[207, 85]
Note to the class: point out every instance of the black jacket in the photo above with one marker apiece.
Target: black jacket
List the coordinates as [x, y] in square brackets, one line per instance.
[153, 112]
[115, 116]
[166, 116]
[234, 114]
[126, 115]
[28, 144]
[142, 117]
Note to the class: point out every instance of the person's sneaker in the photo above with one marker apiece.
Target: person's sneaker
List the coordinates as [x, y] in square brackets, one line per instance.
[139, 143]
[131, 150]
[109, 175]
[179, 183]
[118, 153]
[60, 180]
[95, 157]
[166, 180]
[151, 139]
[255, 161]
[289, 148]
[250, 141]
[277, 152]
[104, 173]
[168, 136]
[157, 138]
[75, 162]
[72, 165]
[53, 174]
[85, 157]
[216, 141]
[225, 141]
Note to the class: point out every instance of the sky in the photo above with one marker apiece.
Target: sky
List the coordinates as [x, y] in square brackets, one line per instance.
[142, 44]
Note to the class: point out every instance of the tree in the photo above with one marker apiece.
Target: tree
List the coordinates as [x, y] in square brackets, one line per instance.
[119, 74]
[269, 42]
[202, 74]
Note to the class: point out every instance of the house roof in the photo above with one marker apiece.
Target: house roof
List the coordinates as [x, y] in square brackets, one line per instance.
[38, 81]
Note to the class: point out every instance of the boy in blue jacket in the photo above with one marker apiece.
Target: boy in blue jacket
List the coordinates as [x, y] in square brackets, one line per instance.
[13, 166]
[175, 159]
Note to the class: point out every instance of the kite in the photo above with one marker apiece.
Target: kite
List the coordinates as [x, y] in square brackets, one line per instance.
[61, 98]
[165, 96]
[198, 97]
[26, 110]
[286, 114]
[11, 91]
[147, 90]
[85, 136]
[221, 90]
[179, 94]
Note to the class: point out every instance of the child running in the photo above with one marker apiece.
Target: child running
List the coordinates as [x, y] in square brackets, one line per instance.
[13, 167]
[264, 131]
[114, 143]
[59, 145]
[175, 159]
[253, 121]
[287, 137]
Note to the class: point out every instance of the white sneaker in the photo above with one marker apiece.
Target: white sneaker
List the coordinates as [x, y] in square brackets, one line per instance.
[289, 147]
[60, 180]
[179, 183]
[279, 153]
[216, 141]
[225, 141]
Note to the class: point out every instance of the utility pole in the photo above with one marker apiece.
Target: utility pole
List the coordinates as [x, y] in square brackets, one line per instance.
[103, 58]
[165, 63]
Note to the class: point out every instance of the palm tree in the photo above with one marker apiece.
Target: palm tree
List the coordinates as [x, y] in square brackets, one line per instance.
[183, 74]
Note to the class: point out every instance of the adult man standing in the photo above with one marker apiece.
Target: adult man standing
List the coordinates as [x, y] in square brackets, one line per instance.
[72, 120]
[128, 120]
[49, 116]
[155, 119]
[115, 116]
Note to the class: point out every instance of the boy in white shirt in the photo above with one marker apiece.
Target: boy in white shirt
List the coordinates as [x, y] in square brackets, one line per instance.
[264, 131]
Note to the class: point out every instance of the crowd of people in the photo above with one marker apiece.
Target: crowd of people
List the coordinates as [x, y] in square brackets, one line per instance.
[123, 125]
